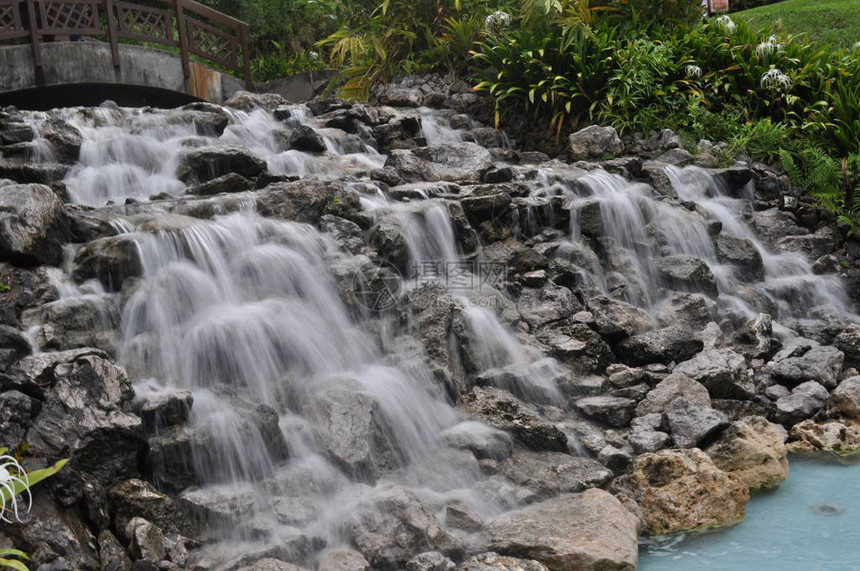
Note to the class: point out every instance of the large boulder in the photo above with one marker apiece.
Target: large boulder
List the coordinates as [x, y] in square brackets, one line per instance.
[33, 225]
[722, 371]
[587, 531]
[673, 343]
[73, 323]
[837, 436]
[687, 273]
[692, 424]
[772, 224]
[673, 386]
[806, 362]
[689, 310]
[138, 498]
[594, 142]
[743, 254]
[391, 525]
[343, 559]
[548, 304]
[208, 163]
[549, 474]
[109, 260]
[682, 490]
[504, 411]
[804, 400]
[614, 411]
[617, 320]
[752, 449]
[844, 401]
[450, 162]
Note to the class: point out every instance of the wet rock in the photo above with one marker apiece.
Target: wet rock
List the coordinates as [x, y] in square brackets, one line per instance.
[484, 206]
[673, 343]
[248, 101]
[501, 409]
[754, 450]
[772, 225]
[551, 303]
[230, 182]
[615, 411]
[146, 540]
[65, 140]
[594, 142]
[617, 320]
[805, 400]
[743, 254]
[109, 260]
[582, 349]
[158, 410]
[32, 173]
[389, 239]
[456, 161]
[805, 362]
[271, 564]
[549, 474]
[430, 561]
[494, 562]
[138, 498]
[515, 256]
[840, 437]
[812, 245]
[220, 507]
[391, 525]
[589, 531]
[14, 346]
[307, 200]
[673, 386]
[87, 321]
[16, 410]
[682, 490]
[306, 139]
[33, 225]
[212, 162]
[686, 309]
[616, 458]
[345, 232]
[755, 337]
[722, 371]
[112, 556]
[85, 415]
[461, 517]
[343, 559]
[844, 401]
[480, 439]
[848, 341]
[688, 273]
[692, 424]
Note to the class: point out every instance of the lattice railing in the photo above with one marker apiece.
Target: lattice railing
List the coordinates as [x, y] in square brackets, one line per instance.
[184, 24]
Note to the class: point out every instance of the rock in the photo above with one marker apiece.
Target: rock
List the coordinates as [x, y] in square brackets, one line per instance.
[616, 458]
[515, 256]
[848, 341]
[772, 225]
[754, 450]
[399, 96]
[755, 337]
[589, 531]
[112, 556]
[307, 200]
[343, 559]
[146, 540]
[688, 273]
[551, 303]
[137, 498]
[248, 101]
[644, 440]
[480, 439]
[33, 225]
[461, 517]
[805, 400]
[109, 260]
[209, 163]
[484, 206]
[580, 347]
[673, 343]
[691, 424]
[594, 142]
[430, 561]
[391, 524]
[674, 386]
[32, 173]
[230, 182]
[76, 322]
[614, 411]
[549, 474]
[617, 320]
[158, 410]
[840, 437]
[494, 562]
[682, 490]
[305, 139]
[800, 363]
[741, 253]
[456, 161]
[345, 232]
[722, 371]
[86, 414]
[844, 401]
[501, 409]
[222, 507]
[271, 564]
[812, 245]
[686, 309]
[14, 346]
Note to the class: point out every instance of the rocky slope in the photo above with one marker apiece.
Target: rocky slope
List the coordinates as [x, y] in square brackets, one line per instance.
[354, 336]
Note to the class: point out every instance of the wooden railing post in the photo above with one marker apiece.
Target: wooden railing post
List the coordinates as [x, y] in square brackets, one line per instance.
[112, 31]
[183, 38]
[35, 37]
[246, 58]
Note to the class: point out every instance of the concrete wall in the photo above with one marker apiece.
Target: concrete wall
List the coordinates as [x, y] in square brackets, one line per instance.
[296, 88]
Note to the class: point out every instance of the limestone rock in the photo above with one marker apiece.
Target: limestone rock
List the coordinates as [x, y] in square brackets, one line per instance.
[674, 386]
[688, 273]
[549, 474]
[722, 371]
[754, 450]
[33, 225]
[618, 320]
[840, 437]
[691, 424]
[494, 562]
[501, 409]
[594, 142]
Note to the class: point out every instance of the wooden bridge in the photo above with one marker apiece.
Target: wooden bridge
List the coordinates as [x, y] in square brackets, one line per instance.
[60, 42]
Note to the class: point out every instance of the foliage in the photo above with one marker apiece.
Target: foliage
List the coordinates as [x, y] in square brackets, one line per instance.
[14, 481]
[4, 287]
[13, 563]
[282, 62]
[835, 184]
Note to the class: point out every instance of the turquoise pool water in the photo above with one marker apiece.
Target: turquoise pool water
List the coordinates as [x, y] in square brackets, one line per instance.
[810, 523]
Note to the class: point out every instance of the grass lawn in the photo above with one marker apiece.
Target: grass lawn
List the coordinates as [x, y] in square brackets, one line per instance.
[834, 22]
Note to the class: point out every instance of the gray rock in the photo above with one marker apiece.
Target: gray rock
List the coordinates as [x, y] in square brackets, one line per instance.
[549, 474]
[212, 162]
[137, 498]
[112, 556]
[772, 225]
[617, 320]
[755, 337]
[304, 138]
[812, 245]
[803, 362]
[73, 323]
[691, 424]
[33, 225]
[674, 386]
[805, 400]
[844, 401]
[109, 260]
[589, 218]
[462, 517]
[686, 309]
[343, 559]
[722, 371]
[741, 253]
[673, 343]
[483, 441]
[848, 341]
[551, 303]
[146, 540]
[158, 410]
[615, 411]
[615, 458]
[594, 142]
[391, 525]
[248, 101]
[483, 206]
[271, 564]
[430, 561]
[644, 440]
[456, 161]
[501, 409]
[399, 96]
[688, 273]
[515, 255]
[494, 562]
[230, 182]
[345, 232]
[219, 507]
[589, 531]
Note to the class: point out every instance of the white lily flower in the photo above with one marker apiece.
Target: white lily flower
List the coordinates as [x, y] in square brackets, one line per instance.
[775, 79]
[498, 20]
[693, 71]
[11, 473]
[726, 23]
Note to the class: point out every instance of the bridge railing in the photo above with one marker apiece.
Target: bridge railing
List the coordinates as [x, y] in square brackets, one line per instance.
[184, 24]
